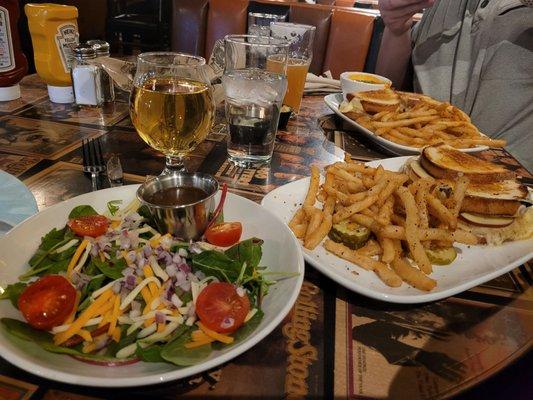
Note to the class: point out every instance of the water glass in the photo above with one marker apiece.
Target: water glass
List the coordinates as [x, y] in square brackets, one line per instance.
[301, 39]
[259, 23]
[253, 96]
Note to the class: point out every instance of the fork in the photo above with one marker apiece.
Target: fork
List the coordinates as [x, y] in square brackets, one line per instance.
[93, 161]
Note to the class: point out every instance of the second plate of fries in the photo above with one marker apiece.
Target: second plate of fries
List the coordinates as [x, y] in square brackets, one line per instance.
[404, 133]
[390, 255]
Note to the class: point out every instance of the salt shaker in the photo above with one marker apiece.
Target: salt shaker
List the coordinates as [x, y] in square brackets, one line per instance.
[102, 50]
[86, 77]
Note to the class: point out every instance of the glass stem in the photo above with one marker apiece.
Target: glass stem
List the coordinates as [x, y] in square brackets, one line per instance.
[173, 164]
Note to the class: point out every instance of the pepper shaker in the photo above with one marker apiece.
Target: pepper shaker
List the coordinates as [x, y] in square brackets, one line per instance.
[101, 47]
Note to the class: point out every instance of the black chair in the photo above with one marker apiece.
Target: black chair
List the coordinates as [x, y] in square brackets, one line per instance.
[140, 25]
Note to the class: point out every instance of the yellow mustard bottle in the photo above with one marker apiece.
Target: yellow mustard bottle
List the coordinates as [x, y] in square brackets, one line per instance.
[54, 33]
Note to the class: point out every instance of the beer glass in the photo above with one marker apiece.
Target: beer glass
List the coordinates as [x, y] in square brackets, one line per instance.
[171, 104]
[300, 55]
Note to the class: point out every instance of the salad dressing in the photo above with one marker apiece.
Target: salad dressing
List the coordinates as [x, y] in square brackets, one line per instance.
[177, 196]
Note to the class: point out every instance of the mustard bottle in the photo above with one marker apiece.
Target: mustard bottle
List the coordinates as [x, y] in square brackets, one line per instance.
[54, 33]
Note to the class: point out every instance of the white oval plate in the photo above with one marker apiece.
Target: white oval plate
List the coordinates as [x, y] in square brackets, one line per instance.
[335, 99]
[281, 252]
[473, 266]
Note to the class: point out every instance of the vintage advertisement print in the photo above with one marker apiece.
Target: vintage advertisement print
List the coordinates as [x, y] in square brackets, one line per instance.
[40, 138]
[422, 352]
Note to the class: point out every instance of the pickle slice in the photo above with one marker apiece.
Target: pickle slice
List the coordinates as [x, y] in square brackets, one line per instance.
[349, 234]
[442, 256]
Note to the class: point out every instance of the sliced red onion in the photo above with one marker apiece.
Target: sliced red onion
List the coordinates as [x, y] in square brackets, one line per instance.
[176, 301]
[94, 249]
[135, 313]
[124, 232]
[130, 282]
[131, 256]
[128, 271]
[184, 267]
[139, 272]
[191, 277]
[186, 285]
[192, 310]
[227, 323]
[171, 270]
[118, 254]
[200, 275]
[176, 259]
[180, 277]
[134, 239]
[195, 248]
[147, 251]
[116, 287]
[160, 317]
[241, 291]
[183, 253]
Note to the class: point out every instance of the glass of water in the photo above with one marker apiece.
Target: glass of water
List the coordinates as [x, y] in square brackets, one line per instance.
[253, 96]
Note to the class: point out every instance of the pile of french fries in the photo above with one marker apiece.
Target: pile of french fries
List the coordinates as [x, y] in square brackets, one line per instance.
[405, 218]
[424, 122]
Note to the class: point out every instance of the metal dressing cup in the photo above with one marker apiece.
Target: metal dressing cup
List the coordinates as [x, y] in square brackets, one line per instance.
[184, 221]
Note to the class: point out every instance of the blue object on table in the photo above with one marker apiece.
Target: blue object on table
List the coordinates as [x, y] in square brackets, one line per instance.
[16, 202]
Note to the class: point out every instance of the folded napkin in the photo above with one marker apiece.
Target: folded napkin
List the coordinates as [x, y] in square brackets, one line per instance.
[321, 84]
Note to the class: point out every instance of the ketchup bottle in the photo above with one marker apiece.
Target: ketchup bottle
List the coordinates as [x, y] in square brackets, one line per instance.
[13, 63]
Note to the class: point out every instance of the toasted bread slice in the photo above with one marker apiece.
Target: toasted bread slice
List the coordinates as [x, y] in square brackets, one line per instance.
[375, 101]
[488, 206]
[443, 161]
[494, 198]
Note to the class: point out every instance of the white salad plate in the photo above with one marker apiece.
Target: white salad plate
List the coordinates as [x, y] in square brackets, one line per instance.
[281, 253]
[473, 266]
[334, 100]
[16, 202]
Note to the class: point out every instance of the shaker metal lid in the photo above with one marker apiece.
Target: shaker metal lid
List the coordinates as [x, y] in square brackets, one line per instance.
[100, 46]
[82, 51]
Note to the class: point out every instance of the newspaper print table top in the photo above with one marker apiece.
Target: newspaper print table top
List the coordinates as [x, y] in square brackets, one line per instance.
[333, 343]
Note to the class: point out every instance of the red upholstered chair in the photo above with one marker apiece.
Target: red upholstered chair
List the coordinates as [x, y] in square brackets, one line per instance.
[348, 42]
[318, 16]
[224, 17]
[189, 25]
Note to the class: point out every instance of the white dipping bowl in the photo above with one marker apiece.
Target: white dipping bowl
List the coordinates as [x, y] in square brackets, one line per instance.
[352, 86]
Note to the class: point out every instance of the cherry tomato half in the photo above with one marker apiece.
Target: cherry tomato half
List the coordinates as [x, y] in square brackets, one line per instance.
[220, 307]
[47, 302]
[90, 225]
[224, 234]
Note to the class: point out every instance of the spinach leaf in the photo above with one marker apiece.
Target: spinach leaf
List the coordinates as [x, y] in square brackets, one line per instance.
[248, 251]
[179, 245]
[113, 207]
[49, 242]
[67, 254]
[44, 339]
[217, 264]
[150, 354]
[108, 268]
[82, 211]
[47, 266]
[12, 292]
[94, 284]
[176, 352]
[243, 332]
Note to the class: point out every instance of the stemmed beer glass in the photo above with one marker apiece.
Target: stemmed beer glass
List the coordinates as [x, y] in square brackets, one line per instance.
[171, 105]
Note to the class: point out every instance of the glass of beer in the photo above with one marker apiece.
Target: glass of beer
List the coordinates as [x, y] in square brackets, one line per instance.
[253, 96]
[300, 55]
[171, 105]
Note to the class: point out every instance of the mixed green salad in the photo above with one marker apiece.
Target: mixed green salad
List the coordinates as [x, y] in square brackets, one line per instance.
[110, 289]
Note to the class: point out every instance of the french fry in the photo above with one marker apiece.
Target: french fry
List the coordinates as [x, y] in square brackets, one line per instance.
[320, 233]
[412, 232]
[413, 276]
[438, 209]
[314, 223]
[297, 218]
[388, 276]
[310, 198]
[371, 248]
[354, 208]
[388, 249]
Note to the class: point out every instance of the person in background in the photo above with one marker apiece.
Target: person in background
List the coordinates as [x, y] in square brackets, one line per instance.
[475, 54]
